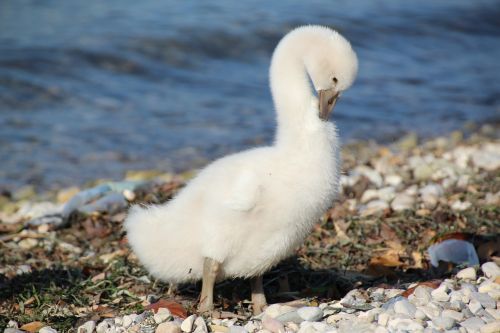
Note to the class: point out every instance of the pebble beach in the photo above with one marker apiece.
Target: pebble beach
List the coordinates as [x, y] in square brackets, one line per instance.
[411, 245]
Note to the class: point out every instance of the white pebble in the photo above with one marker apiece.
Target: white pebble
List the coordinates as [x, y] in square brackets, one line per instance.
[458, 316]
[383, 319]
[495, 313]
[493, 327]
[402, 201]
[162, 315]
[405, 307]
[440, 294]
[47, 329]
[473, 324]
[168, 327]
[187, 324]
[273, 325]
[490, 269]
[88, 327]
[444, 322]
[487, 286]
[422, 295]
[128, 320]
[485, 300]
[475, 306]
[201, 326]
[468, 273]
[310, 313]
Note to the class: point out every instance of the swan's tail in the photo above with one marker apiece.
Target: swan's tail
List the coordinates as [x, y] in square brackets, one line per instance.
[167, 247]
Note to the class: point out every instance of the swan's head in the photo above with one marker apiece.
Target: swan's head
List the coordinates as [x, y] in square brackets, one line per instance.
[331, 64]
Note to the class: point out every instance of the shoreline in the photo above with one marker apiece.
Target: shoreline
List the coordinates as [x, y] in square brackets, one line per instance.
[396, 201]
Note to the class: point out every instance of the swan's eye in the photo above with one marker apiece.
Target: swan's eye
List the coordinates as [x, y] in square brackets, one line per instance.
[335, 80]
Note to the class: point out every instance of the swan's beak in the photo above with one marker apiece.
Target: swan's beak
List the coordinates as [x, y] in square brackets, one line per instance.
[327, 100]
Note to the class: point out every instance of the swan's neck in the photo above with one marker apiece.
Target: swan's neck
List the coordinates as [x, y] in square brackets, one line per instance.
[291, 90]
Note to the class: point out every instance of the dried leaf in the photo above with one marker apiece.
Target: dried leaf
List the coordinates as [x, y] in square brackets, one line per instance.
[431, 284]
[99, 277]
[390, 258]
[175, 308]
[33, 326]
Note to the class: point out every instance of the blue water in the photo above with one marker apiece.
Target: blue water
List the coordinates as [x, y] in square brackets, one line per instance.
[89, 89]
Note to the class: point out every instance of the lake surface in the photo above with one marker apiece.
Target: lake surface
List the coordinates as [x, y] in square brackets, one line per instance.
[89, 89]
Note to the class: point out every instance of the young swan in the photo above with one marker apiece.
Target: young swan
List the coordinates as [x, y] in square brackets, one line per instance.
[246, 212]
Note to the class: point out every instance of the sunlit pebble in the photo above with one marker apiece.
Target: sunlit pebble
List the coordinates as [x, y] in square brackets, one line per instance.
[129, 195]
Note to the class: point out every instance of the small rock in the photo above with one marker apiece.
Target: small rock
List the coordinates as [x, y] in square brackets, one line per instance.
[128, 320]
[444, 323]
[402, 202]
[187, 324]
[468, 273]
[273, 325]
[371, 174]
[430, 311]
[404, 325]
[383, 319]
[162, 315]
[273, 310]
[374, 207]
[484, 299]
[458, 316]
[488, 286]
[473, 324]
[405, 307]
[393, 180]
[460, 205]
[168, 327]
[495, 313]
[88, 327]
[47, 329]
[27, 243]
[440, 294]
[103, 326]
[252, 327]
[13, 330]
[475, 306]
[200, 325]
[490, 270]
[291, 316]
[493, 327]
[422, 295]
[310, 313]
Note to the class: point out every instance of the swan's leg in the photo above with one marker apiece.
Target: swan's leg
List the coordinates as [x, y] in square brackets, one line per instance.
[172, 289]
[258, 297]
[210, 270]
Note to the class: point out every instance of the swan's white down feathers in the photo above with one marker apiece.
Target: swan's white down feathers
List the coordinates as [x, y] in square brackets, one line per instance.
[248, 210]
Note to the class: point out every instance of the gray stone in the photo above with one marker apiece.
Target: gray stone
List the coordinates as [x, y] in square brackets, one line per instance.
[484, 299]
[443, 322]
[47, 329]
[473, 324]
[493, 327]
[405, 307]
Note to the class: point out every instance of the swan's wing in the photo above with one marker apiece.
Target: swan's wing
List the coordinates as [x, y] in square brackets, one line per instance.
[244, 194]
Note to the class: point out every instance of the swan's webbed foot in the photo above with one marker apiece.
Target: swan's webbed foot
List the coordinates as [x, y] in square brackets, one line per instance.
[211, 269]
[258, 297]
